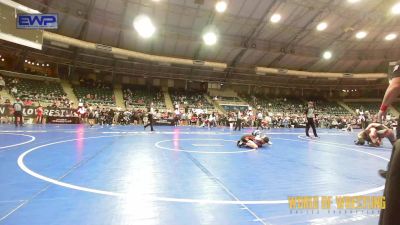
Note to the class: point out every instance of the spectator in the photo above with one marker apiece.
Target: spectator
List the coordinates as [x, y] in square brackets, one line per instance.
[14, 91]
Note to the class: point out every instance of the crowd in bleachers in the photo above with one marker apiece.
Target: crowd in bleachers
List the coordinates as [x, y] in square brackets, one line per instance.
[371, 107]
[276, 105]
[190, 100]
[190, 107]
[94, 92]
[330, 108]
[141, 97]
[35, 92]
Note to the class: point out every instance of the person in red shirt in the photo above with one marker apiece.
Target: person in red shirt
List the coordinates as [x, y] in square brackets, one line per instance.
[193, 120]
[28, 102]
[39, 114]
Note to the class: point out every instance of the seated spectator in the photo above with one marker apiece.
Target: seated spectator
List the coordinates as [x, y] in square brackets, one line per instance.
[28, 102]
[14, 91]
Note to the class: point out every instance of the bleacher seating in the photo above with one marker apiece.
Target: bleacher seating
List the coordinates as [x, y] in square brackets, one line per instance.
[141, 97]
[190, 99]
[36, 90]
[276, 105]
[95, 95]
[371, 107]
[234, 108]
[325, 107]
[228, 99]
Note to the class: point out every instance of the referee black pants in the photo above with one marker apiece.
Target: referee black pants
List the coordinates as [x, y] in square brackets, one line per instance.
[390, 215]
[238, 124]
[310, 123]
[18, 115]
[150, 124]
[259, 124]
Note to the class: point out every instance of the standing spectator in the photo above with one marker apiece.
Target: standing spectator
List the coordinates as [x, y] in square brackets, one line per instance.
[39, 114]
[259, 120]
[211, 121]
[18, 105]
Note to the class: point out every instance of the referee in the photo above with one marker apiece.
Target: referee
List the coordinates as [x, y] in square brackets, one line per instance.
[238, 121]
[310, 114]
[150, 120]
[390, 215]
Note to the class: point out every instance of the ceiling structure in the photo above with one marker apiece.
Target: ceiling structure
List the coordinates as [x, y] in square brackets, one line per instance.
[247, 38]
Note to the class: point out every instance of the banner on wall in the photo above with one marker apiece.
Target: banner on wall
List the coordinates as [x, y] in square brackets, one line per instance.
[30, 111]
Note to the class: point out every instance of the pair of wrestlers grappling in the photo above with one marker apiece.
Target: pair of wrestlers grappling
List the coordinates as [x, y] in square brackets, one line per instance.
[254, 140]
[372, 135]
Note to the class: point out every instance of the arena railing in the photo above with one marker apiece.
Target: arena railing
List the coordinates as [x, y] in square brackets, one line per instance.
[28, 76]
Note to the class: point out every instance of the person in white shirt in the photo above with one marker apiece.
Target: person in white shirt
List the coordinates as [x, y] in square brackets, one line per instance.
[259, 120]
[211, 120]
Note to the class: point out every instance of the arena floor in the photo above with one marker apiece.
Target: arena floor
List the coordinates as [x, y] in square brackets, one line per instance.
[178, 176]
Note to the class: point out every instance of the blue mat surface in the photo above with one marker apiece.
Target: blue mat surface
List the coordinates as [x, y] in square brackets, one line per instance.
[73, 174]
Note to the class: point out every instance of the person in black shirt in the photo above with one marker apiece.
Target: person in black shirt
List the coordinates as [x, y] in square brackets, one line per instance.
[150, 120]
[238, 121]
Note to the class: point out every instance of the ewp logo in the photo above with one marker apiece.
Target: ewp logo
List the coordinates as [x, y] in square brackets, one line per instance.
[37, 21]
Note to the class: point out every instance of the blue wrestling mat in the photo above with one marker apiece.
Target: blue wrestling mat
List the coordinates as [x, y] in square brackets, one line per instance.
[71, 174]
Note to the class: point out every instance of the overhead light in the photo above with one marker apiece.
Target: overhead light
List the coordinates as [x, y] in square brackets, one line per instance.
[47, 64]
[353, 1]
[221, 6]
[37, 64]
[144, 26]
[275, 18]
[327, 55]
[26, 60]
[322, 26]
[391, 37]
[2, 59]
[396, 9]
[43, 65]
[210, 38]
[361, 34]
